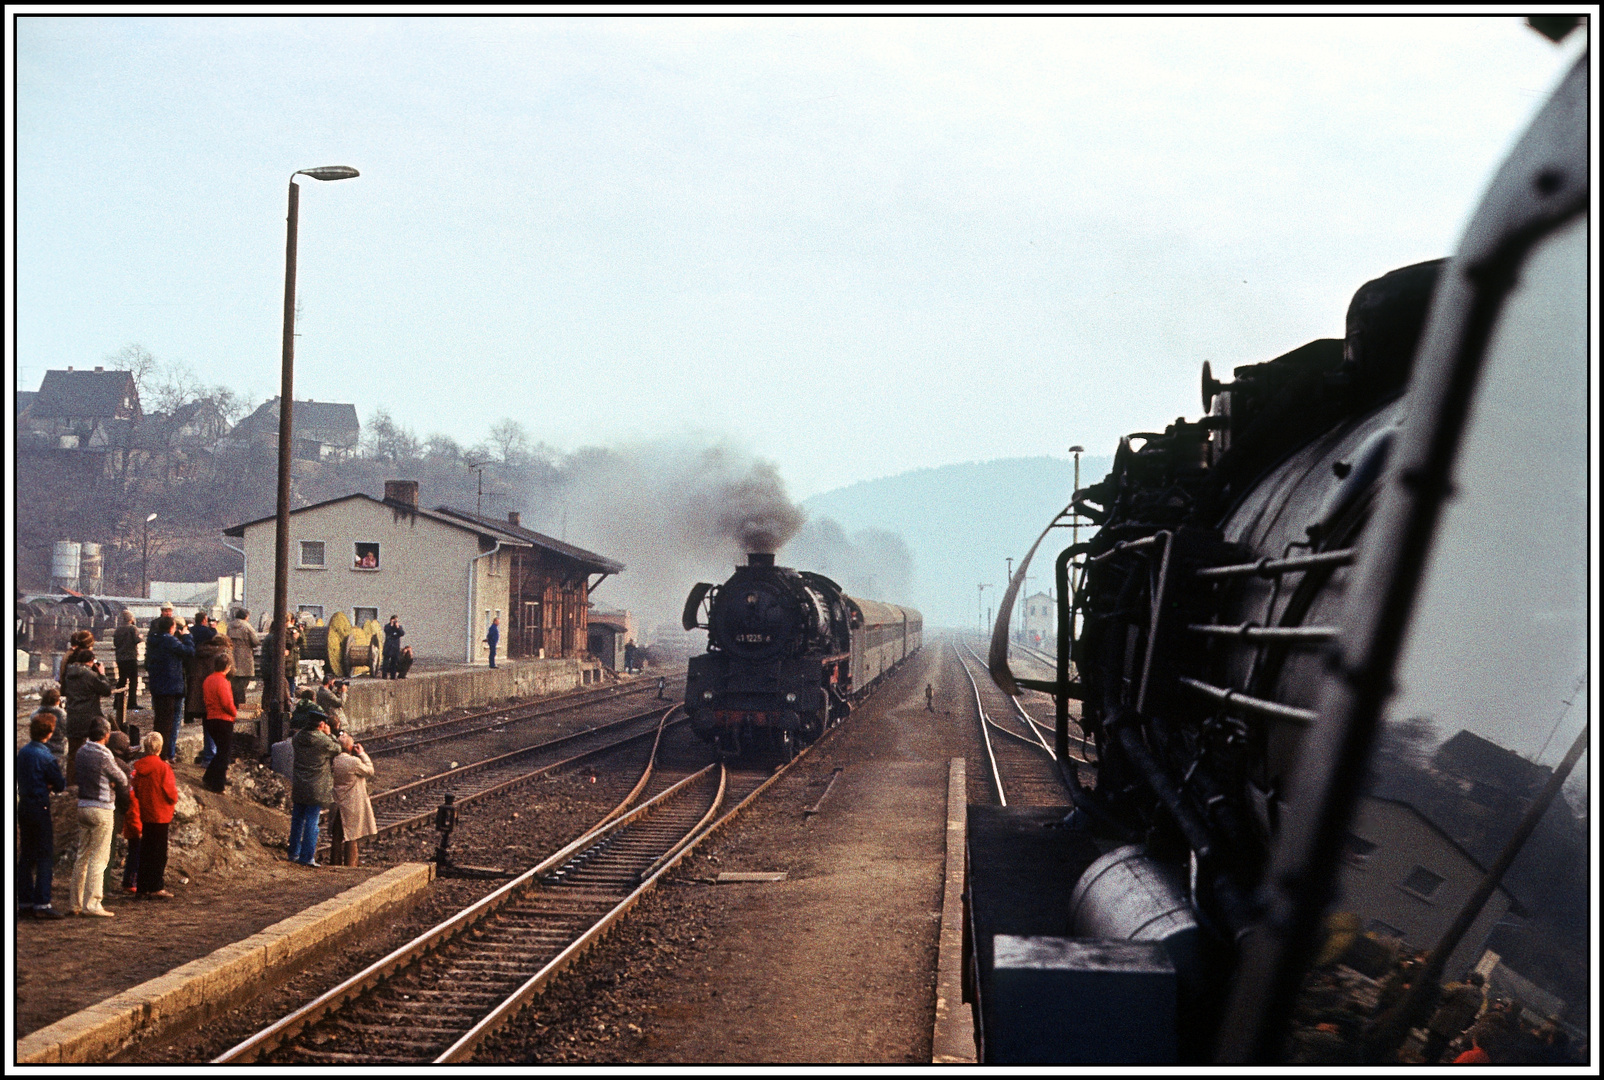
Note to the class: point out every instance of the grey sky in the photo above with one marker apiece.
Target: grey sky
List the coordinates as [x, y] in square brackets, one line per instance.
[951, 239]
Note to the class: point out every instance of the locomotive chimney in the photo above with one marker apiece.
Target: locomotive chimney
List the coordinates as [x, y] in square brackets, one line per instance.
[760, 558]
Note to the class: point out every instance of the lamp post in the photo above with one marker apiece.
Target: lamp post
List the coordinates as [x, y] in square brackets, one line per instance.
[1074, 517]
[273, 695]
[144, 561]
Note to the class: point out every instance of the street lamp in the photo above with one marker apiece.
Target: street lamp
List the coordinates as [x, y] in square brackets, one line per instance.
[273, 695]
[144, 561]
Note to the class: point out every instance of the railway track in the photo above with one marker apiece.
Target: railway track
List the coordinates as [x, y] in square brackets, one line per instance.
[438, 997]
[411, 805]
[494, 719]
[1019, 750]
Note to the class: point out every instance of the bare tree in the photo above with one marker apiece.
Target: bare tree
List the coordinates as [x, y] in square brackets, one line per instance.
[509, 439]
[144, 366]
[389, 441]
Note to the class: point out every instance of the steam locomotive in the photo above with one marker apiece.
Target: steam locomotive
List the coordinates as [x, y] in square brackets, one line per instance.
[1270, 587]
[787, 654]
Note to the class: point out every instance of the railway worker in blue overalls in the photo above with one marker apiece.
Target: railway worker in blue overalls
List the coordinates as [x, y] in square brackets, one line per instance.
[493, 638]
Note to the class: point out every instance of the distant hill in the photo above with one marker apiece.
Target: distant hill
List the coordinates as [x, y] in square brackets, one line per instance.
[960, 522]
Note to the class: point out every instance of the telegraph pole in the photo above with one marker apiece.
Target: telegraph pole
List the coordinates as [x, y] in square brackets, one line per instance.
[980, 606]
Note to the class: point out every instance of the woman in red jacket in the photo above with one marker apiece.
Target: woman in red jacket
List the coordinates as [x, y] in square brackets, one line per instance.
[156, 791]
[218, 693]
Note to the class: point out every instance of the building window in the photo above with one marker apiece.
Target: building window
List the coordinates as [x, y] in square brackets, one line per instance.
[1422, 882]
[363, 615]
[367, 556]
[314, 610]
[312, 555]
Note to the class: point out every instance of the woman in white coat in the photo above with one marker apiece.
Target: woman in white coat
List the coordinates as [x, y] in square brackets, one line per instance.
[351, 771]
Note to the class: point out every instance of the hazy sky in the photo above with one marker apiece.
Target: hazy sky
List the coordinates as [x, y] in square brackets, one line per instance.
[855, 246]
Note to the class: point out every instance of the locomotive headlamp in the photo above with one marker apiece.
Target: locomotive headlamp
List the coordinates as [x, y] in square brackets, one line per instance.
[790, 699]
[707, 695]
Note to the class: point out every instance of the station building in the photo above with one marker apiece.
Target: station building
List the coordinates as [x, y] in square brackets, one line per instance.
[447, 573]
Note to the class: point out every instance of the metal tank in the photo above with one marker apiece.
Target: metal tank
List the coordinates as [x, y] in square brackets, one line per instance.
[64, 562]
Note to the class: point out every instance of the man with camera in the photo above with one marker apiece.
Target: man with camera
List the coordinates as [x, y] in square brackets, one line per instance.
[331, 699]
[83, 683]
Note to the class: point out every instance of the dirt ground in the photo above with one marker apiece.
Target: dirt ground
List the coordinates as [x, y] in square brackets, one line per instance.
[834, 964]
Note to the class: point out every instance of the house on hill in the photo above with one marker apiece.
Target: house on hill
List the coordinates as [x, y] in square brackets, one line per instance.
[447, 573]
[320, 429]
[86, 410]
[1490, 774]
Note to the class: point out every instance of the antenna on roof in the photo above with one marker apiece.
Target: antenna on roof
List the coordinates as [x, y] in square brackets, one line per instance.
[479, 505]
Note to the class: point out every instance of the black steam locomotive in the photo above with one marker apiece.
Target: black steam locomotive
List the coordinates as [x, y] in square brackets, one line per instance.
[1271, 589]
[787, 653]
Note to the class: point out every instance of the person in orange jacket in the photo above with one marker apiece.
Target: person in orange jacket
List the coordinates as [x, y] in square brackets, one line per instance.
[156, 793]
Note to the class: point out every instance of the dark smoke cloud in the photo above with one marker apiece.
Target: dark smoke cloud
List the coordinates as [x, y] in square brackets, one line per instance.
[674, 510]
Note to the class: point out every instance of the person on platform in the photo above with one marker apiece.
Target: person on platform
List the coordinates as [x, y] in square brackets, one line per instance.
[166, 650]
[1461, 1004]
[208, 643]
[353, 819]
[331, 699]
[404, 664]
[242, 636]
[312, 788]
[99, 781]
[221, 713]
[125, 641]
[156, 791]
[493, 638]
[132, 827]
[393, 633]
[50, 705]
[83, 684]
[38, 774]
[629, 657]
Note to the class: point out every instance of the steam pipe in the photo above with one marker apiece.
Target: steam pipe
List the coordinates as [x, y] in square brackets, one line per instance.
[471, 579]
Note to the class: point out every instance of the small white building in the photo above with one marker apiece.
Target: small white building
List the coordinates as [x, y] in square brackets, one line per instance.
[1037, 624]
[446, 573]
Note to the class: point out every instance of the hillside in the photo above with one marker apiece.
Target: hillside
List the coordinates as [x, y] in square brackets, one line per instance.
[960, 522]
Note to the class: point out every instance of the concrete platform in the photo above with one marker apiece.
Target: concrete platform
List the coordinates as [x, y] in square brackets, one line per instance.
[374, 703]
[212, 984]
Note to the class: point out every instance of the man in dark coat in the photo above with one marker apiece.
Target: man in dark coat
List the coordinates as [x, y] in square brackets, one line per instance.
[166, 650]
[393, 633]
[493, 638]
[125, 640]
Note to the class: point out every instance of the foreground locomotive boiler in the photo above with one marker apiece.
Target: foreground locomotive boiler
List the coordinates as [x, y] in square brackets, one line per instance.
[787, 653]
[1287, 604]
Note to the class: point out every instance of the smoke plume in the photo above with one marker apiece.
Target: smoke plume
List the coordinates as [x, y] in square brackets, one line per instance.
[674, 510]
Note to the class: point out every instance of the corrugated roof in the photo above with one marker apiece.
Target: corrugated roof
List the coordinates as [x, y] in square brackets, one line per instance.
[601, 562]
[65, 394]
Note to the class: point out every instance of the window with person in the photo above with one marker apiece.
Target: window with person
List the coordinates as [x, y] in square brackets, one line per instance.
[366, 557]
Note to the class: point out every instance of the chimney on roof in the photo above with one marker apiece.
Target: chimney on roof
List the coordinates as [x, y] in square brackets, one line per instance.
[99, 368]
[69, 367]
[512, 517]
[401, 491]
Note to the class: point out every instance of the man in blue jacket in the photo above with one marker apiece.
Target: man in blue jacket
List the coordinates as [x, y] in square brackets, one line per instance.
[493, 638]
[38, 775]
[165, 652]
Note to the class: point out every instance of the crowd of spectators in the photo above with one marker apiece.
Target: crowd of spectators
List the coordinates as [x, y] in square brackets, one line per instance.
[194, 671]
